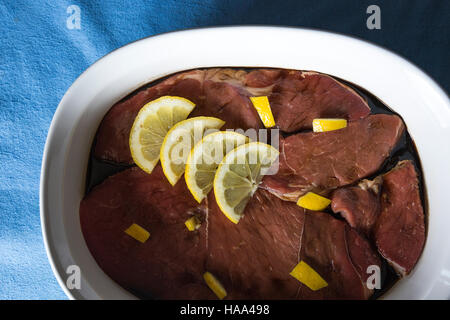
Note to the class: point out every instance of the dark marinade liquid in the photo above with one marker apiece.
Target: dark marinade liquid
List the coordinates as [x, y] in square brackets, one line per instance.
[99, 170]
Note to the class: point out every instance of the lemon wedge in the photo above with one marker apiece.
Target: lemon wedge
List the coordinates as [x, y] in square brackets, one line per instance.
[238, 176]
[179, 141]
[262, 105]
[151, 125]
[322, 125]
[192, 224]
[312, 201]
[137, 232]
[204, 159]
[215, 285]
[308, 276]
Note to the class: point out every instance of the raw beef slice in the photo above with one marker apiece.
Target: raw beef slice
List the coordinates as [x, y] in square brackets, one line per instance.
[170, 264]
[298, 97]
[388, 210]
[111, 141]
[359, 205]
[323, 161]
[216, 92]
[339, 254]
[252, 259]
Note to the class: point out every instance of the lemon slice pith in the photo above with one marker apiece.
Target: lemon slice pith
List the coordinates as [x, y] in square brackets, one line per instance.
[238, 176]
[205, 158]
[151, 125]
[179, 141]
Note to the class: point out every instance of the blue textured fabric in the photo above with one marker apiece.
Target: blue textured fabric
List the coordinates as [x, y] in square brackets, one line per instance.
[41, 57]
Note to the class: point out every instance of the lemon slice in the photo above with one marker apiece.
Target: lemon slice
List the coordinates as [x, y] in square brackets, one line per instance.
[238, 176]
[262, 106]
[204, 159]
[151, 125]
[179, 141]
[323, 125]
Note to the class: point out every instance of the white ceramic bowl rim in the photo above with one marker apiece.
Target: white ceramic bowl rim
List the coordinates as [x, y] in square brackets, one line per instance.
[406, 89]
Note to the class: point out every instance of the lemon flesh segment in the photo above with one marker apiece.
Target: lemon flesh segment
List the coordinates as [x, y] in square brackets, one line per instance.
[323, 125]
[180, 140]
[152, 124]
[308, 276]
[137, 232]
[239, 175]
[215, 285]
[205, 158]
[192, 224]
[312, 201]
[262, 106]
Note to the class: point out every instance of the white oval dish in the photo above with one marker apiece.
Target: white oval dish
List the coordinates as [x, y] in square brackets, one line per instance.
[402, 86]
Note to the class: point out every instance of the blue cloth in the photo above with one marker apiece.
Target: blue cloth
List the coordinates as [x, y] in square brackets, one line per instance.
[41, 57]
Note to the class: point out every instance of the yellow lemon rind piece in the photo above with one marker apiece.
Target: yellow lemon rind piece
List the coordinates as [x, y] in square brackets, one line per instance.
[324, 125]
[137, 232]
[192, 223]
[262, 106]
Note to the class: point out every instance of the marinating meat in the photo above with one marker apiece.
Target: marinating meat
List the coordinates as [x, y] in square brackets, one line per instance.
[297, 97]
[359, 205]
[170, 264]
[323, 161]
[374, 221]
[252, 259]
[339, 254]
[400, 230]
